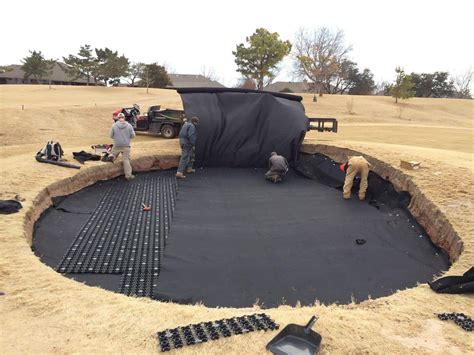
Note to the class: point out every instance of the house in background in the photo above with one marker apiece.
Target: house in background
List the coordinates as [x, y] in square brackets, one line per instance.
[288, 86]
[192, 81]
[300, 87]
[59, 77]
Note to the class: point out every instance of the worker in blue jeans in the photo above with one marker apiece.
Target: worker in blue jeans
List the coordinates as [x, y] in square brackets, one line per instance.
[187, 141]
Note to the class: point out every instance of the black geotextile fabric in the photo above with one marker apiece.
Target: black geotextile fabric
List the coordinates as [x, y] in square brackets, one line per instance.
[323, 169]
[236, 239]
[455, 284]
[83, 156]
[239, 128]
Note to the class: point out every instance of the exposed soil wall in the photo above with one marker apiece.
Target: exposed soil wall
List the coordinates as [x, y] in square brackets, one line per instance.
[425, 211]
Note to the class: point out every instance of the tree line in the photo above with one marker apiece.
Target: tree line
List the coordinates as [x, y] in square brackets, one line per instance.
[320, 57]
[98, 66]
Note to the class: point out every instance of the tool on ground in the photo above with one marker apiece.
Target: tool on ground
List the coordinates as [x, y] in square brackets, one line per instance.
[203, 332]
[145, 207]
[295, 339]
[55, 162]
[410, 165]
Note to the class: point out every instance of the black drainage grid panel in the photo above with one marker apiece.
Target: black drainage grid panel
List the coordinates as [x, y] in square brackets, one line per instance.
[121, 238]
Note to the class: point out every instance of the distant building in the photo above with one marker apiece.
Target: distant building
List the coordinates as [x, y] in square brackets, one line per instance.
[192, 81]
[293, 87]
[288, 86]
[59, 77]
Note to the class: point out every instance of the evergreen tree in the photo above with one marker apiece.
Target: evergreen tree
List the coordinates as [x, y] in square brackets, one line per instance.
[111, 66]
[34, 65]
[403, 87]
[437, 84]
[154, 76]
[134, 72]
[84, 64]
[259, 60]
[362, 83]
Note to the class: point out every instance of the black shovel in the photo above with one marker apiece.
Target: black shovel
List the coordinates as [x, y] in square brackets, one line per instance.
[295, 340]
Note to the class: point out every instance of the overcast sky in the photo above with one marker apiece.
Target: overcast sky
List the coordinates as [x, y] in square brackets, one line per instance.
[418, 35]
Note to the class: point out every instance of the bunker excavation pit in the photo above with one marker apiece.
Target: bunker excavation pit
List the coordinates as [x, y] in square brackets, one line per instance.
[226, 237]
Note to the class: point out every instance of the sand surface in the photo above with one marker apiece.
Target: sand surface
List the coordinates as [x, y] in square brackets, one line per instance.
[43, 312]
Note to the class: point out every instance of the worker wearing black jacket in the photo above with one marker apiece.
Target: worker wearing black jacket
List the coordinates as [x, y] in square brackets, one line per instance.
[187, 141]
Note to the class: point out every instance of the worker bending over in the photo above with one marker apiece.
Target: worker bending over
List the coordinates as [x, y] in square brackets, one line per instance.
[357, 165]
[278, 167]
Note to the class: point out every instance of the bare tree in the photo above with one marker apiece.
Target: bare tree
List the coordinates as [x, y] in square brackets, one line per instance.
[168, 67]
[382, 88]
[462, 84]
[209, 73]
[319, 56]
[50, 64]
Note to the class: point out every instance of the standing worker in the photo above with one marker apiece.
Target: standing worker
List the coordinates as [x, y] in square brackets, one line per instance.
[122, 132]
[187, 141]
[278, 166]
[357, 165]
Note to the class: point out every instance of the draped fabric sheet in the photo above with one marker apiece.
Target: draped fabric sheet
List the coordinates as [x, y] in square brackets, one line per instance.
[240, 128]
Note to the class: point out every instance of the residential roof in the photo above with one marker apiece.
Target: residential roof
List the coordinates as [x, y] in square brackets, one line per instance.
[59, 74]
[192, 81]
[290, 86]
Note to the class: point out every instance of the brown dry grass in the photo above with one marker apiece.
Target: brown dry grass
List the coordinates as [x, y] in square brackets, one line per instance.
[43, 312]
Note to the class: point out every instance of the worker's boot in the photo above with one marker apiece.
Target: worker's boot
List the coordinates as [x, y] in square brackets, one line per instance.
[190, 170]
[346, 197]
[362, 197]
[180, 175]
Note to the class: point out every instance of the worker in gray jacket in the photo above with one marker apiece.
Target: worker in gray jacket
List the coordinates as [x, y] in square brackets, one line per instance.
[278, 167]
[122, 132]
[187, 141]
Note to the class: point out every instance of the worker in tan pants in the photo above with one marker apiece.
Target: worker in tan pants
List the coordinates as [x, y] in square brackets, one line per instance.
[357, 165]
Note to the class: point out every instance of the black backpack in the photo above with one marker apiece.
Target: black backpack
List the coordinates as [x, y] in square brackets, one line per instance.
[51, 151]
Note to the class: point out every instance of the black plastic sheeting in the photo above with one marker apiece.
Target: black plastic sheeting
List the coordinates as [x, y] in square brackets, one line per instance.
[323, 169]
[237, 239]
[281, 243]
[240, 128]
[455, 284]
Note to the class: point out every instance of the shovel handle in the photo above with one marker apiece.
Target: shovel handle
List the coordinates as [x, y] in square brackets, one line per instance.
[310, 324]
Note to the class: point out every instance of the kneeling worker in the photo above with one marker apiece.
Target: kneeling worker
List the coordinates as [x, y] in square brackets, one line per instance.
[187, 141]
[278, 167]
[357, 165]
